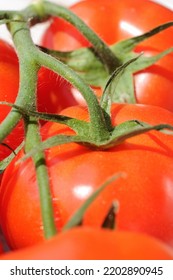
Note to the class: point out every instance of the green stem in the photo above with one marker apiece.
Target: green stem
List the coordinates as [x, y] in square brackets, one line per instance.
[8, 14]
[46, 9]
[98, 125]
[32, 139]
[27, 97]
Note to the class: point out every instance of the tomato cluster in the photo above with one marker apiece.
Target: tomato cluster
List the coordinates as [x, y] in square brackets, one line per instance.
[144, 192]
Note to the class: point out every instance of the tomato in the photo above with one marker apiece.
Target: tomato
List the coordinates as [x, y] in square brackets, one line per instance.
[3, 245]
[9, 81]
[154, 85]
[53, 92]
[1, 248]
[95, 244]
[126, 19]
[48, 96]
[75, 171]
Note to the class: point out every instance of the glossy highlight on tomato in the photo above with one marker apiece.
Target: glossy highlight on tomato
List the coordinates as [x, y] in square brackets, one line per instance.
[127, 18]
[75, 171]
[154, 85]
[95, 244]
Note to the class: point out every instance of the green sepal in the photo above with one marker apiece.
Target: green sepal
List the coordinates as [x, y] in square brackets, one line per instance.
[79, 126]
[120, 133]
[6, 21]
[123, 91]
[87, 64]
[77, 217]
[117, 83]
[6, 161]
[133, 128]
[53, 142]
[128, 45]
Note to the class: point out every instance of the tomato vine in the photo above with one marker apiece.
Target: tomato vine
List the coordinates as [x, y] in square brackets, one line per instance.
[98, 132]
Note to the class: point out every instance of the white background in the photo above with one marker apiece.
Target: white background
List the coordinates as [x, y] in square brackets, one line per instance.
[6, 4]
[20, 4]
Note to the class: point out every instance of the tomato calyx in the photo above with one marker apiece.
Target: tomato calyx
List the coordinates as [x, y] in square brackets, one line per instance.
[45, 9]
[103, 136]
[120, 133]
[86, 62]
[117, 134]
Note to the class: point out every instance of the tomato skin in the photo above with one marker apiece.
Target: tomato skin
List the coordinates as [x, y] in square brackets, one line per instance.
[1, 249]
[127, 18]
[53, 92]
[154, 85]
[9, 81]
[145, 191]
[95, 244]
[49, 99]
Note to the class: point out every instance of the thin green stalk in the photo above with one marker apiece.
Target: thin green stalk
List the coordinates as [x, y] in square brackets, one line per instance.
[46, 8]
[27, 97]
[24, 48]
[7, 14]
[32, 139]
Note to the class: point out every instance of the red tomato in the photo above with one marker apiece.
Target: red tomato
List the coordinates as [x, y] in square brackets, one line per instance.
[154, 85]
[126, 19]
[49, 99]
[1, 248]
[54, 93]
[9, 81]
[145, 194]
[95, 244]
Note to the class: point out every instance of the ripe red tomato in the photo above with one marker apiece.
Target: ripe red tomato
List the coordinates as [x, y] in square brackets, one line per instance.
[49, 99]
[126, 19]
[1, 248]
[154, 85]
[9, 81]
[95, 244]
[54, 93]
[145, 194]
